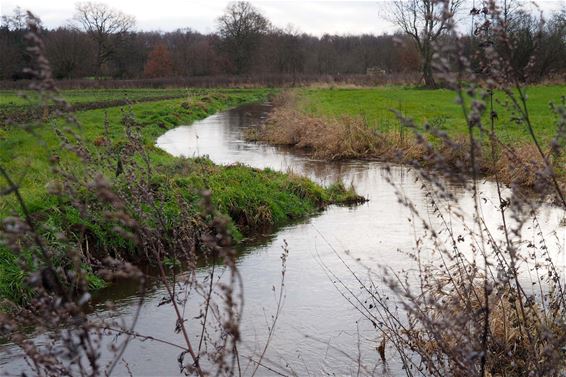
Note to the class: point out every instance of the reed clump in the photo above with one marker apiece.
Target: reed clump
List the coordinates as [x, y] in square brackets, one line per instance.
[335, 139]
[450, 323]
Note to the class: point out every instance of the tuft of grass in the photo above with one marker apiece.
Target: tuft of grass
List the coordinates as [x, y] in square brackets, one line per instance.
[12, 278]
[340, 194]
[254, 198]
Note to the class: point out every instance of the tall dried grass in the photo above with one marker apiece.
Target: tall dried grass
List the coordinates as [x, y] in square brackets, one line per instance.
[512, 330]
[329, 138]
[352, 138]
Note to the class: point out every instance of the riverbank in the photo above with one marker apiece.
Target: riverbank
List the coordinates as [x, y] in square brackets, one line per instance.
[339, 124]
[57, 168]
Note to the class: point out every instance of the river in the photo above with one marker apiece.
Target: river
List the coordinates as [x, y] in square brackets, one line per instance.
[318, 331]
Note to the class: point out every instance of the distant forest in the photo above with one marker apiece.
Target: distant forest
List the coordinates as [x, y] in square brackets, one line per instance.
[101, 42]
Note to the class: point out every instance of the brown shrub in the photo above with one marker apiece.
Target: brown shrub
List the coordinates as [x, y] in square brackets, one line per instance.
[512, 330]
[338, 138]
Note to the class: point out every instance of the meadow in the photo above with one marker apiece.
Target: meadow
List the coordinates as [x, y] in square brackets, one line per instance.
[438, 108]
[26, 154]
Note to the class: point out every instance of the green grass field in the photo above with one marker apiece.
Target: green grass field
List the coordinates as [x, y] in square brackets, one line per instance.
[438, 107]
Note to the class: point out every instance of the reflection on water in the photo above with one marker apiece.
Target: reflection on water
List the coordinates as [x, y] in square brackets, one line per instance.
[318, 331]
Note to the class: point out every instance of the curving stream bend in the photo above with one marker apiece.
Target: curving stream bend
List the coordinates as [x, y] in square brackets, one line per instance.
[318, 332]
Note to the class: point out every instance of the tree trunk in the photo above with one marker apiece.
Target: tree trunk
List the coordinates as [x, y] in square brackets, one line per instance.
[99, 59]
[428, 76]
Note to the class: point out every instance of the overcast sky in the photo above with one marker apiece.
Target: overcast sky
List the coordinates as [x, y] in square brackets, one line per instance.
[315, 17]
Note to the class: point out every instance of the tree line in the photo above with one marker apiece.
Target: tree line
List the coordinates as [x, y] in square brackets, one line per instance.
[101, 42]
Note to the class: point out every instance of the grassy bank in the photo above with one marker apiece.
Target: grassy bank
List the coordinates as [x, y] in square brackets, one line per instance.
[26, 155]
[39, 161]
[362, 123]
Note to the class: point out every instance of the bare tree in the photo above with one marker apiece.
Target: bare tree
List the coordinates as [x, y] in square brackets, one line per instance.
[425, 21]
[509, 11]
[532, 45]
[241, 28]
[105, 26]
[17, 21]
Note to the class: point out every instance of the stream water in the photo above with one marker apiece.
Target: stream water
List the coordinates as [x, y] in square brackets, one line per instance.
[318, 331]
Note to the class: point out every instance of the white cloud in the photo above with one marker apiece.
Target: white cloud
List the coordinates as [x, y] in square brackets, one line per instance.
[315, 17]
